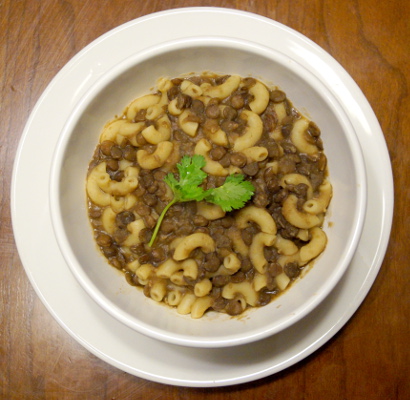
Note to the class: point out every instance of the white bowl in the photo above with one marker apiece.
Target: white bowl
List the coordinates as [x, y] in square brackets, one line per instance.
[134, 77]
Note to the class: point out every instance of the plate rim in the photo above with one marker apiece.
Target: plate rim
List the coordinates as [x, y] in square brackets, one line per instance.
[87, 283]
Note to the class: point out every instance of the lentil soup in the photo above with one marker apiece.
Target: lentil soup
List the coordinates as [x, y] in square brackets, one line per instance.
[204, 258]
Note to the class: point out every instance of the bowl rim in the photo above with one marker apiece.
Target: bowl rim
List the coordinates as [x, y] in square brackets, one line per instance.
[63, 240]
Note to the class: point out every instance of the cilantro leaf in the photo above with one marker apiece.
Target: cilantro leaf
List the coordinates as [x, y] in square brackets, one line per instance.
[190, 172]
[190, 177]
[233, 194]
[172, 182]
[187, 188]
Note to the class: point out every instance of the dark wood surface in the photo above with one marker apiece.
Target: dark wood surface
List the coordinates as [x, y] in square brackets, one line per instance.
[368, 359]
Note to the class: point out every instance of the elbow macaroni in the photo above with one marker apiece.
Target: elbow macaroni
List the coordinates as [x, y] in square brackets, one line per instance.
[316, 245]
[189, 88]
[117, 130]
[253, 131]
[101, 188]
[212, 167]
[135, 228]
[255, 153]
[319, 204]
[259, 242]
[142, 103]
[298, 218]
[244, 289]
[223, 90]
[191, 242]
[260, 216]
[157, 158]
[160, 134]
[298, 138]
[209, 211]
[187, 125]
[202, 288]
[261, 97]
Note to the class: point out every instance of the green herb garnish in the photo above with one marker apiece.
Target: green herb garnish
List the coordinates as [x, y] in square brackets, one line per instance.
[233, 194]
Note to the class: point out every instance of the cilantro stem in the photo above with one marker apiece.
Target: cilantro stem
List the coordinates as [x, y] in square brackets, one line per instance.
[161, 217]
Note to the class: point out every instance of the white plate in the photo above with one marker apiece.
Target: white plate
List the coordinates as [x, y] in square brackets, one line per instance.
[94, 328]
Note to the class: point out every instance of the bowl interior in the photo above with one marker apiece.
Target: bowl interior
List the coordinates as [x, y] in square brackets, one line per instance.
[133, 78]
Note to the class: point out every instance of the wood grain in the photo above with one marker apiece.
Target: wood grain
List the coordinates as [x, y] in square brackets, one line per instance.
[368, 359]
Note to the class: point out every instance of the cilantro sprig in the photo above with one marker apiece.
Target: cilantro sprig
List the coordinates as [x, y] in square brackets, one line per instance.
[233, 194]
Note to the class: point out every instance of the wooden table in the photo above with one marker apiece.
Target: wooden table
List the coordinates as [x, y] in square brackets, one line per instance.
[368, 359]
